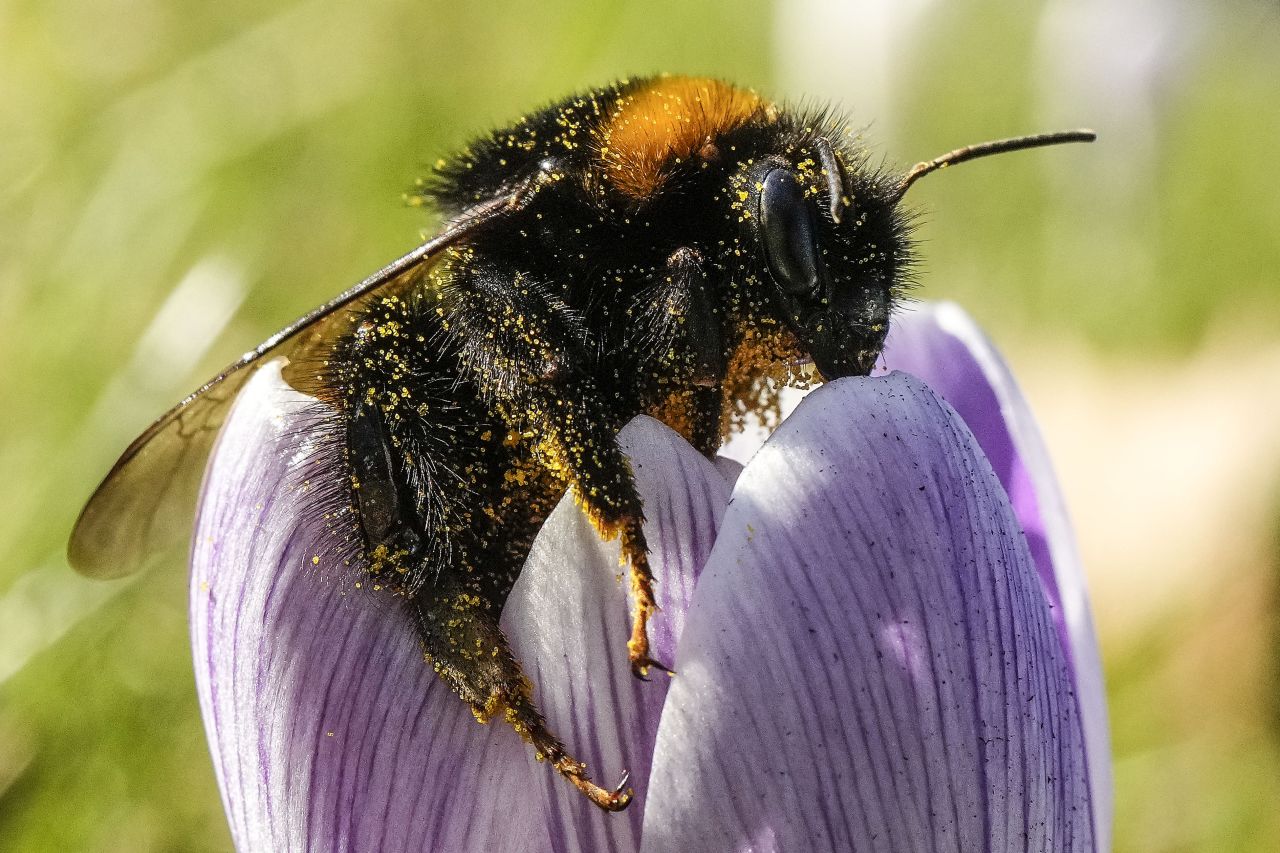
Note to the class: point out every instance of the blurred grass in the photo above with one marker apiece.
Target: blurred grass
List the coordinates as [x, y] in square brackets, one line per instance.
[268, 145]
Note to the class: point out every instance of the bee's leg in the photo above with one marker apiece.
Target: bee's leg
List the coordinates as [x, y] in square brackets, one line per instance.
[678, 325]
[465, 646]
[443, 524]
[526, 349]
[575, 439]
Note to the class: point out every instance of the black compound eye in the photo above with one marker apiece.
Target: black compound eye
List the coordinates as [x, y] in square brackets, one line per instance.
[787, 229]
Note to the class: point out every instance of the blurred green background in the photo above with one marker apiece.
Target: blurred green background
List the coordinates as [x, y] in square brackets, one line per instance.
[178, 179]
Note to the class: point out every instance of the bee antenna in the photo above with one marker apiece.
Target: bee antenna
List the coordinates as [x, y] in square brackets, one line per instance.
[984, 149]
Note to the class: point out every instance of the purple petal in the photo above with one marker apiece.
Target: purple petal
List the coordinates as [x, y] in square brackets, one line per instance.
[328, 730]
[942, 345]
[568, 620]
[869, 662]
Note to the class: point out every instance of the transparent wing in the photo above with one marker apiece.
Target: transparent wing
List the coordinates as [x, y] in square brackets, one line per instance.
[141, 512]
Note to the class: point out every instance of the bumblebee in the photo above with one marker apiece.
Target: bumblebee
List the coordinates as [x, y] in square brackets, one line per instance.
[668, 246]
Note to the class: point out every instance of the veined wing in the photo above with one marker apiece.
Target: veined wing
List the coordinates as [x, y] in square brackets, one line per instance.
[142, 509]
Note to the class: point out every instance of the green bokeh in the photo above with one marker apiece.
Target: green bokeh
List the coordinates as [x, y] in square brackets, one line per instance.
[140, 139]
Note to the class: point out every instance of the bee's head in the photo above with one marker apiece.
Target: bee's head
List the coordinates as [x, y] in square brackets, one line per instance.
[835, 247]
[835, 242]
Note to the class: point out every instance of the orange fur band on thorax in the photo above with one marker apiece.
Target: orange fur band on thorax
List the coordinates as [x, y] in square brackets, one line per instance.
[667, 122]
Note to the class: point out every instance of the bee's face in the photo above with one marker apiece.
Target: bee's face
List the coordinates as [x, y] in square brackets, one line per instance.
[833, 249]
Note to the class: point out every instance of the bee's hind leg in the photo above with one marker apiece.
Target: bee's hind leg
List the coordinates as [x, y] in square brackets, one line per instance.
[463, 643]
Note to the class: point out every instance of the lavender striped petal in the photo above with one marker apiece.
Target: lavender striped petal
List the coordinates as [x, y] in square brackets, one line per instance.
[942, 345]
[328, 730]
[568, 620]
[869, 663]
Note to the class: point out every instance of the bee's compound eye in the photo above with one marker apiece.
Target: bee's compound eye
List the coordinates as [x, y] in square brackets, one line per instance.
[787, 230]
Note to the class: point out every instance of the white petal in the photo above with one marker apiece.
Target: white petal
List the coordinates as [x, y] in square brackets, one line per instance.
[568, 620]
[328, 730]
[869, 663]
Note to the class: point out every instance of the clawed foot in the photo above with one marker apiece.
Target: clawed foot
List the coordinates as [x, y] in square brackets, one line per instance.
[645, 607]
[614, 800]
[641, 662]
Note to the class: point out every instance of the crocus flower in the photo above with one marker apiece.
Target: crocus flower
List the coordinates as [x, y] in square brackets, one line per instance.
[878, 627]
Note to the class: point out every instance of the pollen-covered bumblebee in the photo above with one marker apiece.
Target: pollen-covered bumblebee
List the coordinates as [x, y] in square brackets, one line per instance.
[665, 246]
